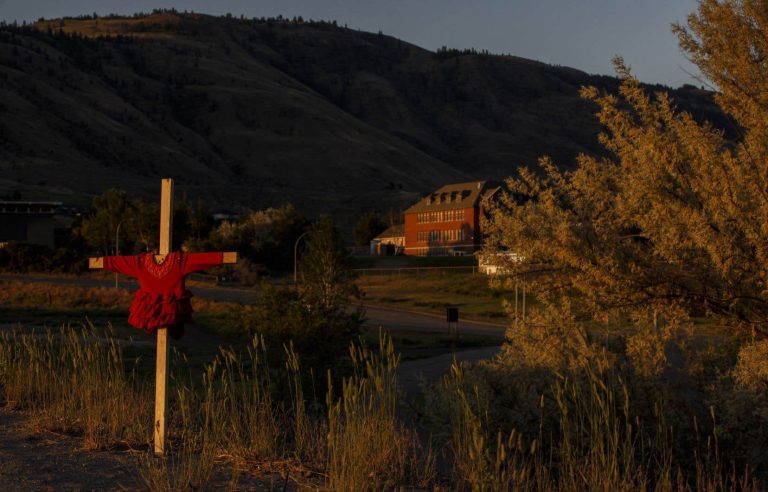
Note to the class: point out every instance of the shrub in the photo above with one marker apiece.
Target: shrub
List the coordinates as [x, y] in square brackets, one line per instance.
[284, 314]
[25, 257]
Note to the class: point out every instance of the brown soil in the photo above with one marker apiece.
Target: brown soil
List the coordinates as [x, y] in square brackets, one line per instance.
[33, 461]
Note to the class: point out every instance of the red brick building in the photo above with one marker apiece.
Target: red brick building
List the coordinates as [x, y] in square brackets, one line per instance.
[447, 222]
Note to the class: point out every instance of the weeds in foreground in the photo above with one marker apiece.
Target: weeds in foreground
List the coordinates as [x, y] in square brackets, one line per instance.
[74, 380]
[595, 445]
[367, 448]
[190, 463]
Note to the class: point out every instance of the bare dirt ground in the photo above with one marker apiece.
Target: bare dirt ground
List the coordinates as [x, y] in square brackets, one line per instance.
[32, 461]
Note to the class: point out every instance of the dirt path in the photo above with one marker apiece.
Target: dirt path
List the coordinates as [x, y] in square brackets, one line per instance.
[32, 462]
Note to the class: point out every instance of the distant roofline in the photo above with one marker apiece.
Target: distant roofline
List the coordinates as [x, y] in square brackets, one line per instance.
[8, 207]
[397, 230]
[18, 202]
[470, 194]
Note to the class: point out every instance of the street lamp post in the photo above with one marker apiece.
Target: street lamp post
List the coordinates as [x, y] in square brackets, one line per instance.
[295, 255]
[117, 242]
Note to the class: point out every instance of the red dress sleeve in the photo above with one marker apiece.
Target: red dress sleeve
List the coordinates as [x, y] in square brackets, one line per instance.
[194, 262]
[128, 265]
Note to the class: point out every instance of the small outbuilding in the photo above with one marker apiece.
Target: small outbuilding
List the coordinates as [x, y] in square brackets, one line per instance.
[390, 242]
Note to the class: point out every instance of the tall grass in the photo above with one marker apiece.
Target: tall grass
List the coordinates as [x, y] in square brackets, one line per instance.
[230, 416]
[596, 444]
[76, 381]
[599, 440]
[479, 462]
[309, 432]
[367, 448]
[194, 444]
[588, 437]
[238, 396]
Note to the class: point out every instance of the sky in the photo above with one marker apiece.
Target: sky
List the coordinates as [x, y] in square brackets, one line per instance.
[583, 34]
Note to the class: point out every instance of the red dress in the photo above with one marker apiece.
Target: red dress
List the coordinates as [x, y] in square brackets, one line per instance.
[162, 298]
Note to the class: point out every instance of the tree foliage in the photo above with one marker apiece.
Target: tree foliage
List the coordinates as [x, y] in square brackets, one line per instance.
[264, 236]
[318, 314]
[676, 218]
[327, 280]
[368, 227]
[137, 222]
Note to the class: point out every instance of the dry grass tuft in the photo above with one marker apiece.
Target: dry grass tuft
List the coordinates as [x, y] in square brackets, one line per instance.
[367, 448]
[50, 296]
[75, 381]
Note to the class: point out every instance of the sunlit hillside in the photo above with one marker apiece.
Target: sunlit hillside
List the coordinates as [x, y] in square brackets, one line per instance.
[259, 112]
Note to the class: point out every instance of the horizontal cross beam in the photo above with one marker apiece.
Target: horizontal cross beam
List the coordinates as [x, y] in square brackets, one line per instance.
[97, 263]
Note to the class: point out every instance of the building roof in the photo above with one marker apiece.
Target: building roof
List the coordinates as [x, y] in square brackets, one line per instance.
[392, 231]
[19, 207]
[454, 196]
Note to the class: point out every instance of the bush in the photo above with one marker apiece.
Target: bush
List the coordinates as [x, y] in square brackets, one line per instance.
[25, 257]
[315, 314]
[265, 236]
[283, 314]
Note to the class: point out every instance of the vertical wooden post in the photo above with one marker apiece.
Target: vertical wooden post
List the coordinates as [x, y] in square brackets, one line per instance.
[161, 365]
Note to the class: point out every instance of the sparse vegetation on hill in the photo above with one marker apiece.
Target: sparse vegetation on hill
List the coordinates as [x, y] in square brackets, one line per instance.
[259, 111]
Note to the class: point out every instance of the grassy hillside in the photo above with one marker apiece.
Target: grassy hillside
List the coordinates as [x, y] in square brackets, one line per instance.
[258, 112]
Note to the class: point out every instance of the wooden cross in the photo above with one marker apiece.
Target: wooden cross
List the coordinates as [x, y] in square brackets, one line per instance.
[131, 265]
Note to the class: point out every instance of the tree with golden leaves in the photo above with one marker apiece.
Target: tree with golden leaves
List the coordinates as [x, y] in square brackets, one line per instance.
[677, 216]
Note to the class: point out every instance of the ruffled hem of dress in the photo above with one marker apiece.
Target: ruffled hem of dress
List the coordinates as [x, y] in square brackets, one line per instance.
[150, 311]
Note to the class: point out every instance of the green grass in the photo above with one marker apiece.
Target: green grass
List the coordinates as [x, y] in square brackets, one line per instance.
[40, 306]
[412, 261]
[435, 292]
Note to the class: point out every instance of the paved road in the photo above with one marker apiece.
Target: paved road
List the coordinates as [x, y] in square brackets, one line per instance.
[412, 373]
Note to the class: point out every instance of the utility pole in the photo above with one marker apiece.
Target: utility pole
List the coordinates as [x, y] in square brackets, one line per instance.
[295, 258]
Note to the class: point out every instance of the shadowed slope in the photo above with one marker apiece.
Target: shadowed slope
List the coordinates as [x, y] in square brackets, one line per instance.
[258, 112]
